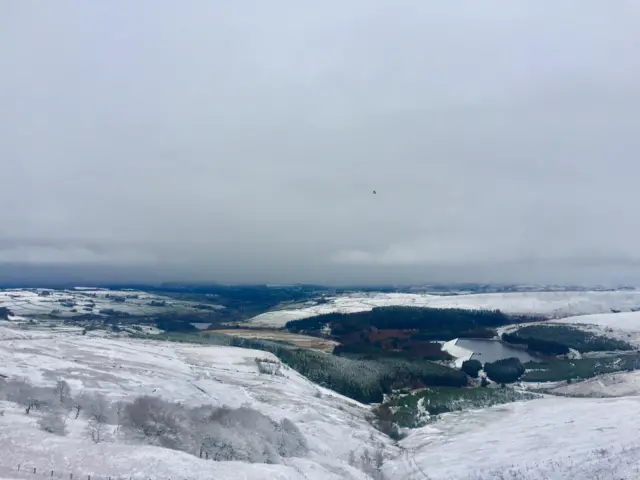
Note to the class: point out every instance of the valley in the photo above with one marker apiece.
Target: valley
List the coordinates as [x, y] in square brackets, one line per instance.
[396, 383]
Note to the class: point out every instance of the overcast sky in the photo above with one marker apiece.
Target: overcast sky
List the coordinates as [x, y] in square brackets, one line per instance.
[242, 141]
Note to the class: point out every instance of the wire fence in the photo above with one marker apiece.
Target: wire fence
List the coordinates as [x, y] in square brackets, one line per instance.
[31, 472]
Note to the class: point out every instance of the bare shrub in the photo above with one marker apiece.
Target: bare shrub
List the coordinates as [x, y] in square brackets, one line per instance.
[371, 464]
[269, 367]
[155, 421]
[248, 435]
[23, 393]
[53, 422]
[383, 420]
[97, 408]
[215, 433]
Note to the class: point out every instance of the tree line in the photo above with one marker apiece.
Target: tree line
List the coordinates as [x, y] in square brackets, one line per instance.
[407, 332]
[432, 323]
[558, 339]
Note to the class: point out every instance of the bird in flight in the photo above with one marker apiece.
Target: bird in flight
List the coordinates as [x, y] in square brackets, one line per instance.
[374, 192]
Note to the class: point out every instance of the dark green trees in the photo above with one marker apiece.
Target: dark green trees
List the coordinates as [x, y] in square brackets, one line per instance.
[471, 367]
[507, 370]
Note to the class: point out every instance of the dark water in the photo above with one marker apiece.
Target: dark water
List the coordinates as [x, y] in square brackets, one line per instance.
[485, 350]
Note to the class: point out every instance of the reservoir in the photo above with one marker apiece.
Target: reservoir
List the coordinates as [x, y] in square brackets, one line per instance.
[485, 350]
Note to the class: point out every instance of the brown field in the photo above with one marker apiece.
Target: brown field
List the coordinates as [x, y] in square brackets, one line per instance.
[303, 341]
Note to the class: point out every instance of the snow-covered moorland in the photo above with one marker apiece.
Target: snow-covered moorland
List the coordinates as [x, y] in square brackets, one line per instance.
[550, 439]
[622, 326]
[321, 435]
[554, 438]
[190, 375]
[552, 304]
[73, 302]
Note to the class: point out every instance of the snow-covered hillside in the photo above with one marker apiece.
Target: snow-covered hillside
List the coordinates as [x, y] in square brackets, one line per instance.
[192, 375]
[619, 384]
[553, 304]
[550, 438]
[83, 301]
[622, 326]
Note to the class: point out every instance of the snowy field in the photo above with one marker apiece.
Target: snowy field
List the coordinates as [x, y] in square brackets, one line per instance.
[74, 302]
[551, 438]
[552, 304]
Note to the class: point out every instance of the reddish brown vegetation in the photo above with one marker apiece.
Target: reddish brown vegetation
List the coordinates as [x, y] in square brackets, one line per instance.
[404, 342]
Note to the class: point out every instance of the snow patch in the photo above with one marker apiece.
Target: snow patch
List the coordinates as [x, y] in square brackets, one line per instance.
[459, 353]
[551, 304]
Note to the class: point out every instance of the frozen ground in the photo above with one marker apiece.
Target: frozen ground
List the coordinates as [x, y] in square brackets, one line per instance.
[552, 304]
[74, 302]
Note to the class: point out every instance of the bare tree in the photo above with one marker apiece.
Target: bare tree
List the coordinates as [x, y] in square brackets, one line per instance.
[29, 404]
[155, 421]
[77, 406]
[20, 391]
[63, 394]
[26, 396]
[97, 408]
[99, 412]
[119, 409]
[96, 430]
[378, 459]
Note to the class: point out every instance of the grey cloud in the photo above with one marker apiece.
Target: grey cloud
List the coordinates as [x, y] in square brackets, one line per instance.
[220, 141]
[73, 255]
